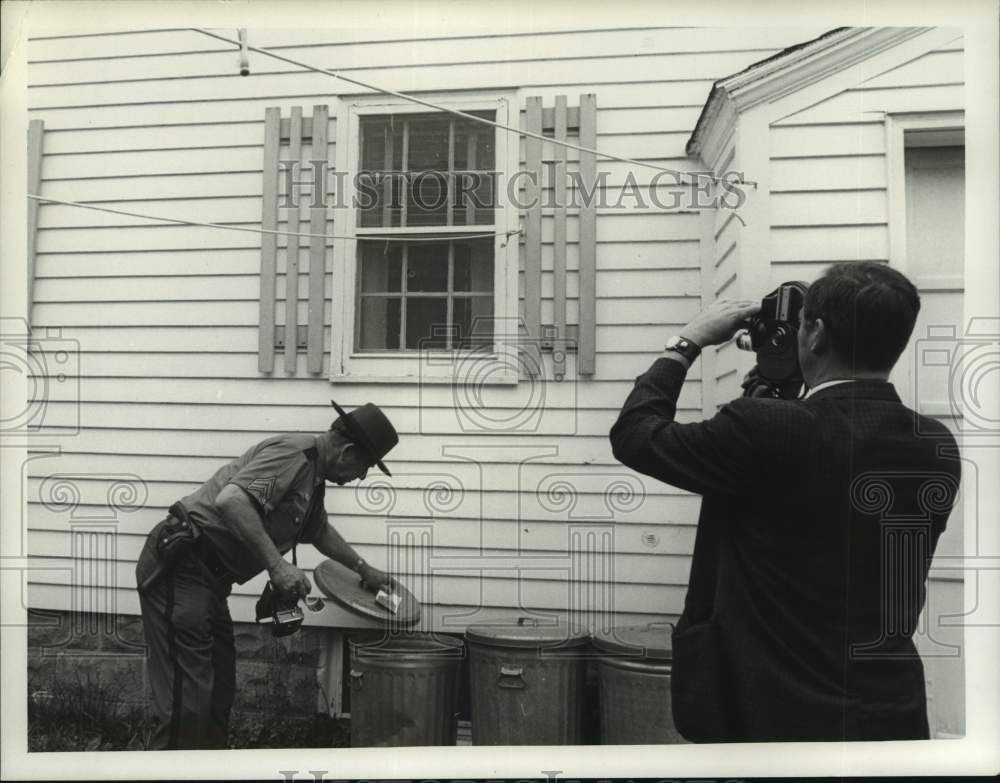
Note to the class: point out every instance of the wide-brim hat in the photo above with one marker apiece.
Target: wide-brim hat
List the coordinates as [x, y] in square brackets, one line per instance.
[370, 429]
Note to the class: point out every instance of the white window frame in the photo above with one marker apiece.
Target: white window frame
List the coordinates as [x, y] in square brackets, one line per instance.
[943, 129]
[348, 365]
[938, 129]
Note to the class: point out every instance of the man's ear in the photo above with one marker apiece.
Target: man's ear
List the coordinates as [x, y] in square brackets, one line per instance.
[343, 450]
[354, 450]
[818, 341]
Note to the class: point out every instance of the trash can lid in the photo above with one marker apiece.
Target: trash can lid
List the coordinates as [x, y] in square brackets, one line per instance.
[524, 633]
[366, 644]
[651, 640]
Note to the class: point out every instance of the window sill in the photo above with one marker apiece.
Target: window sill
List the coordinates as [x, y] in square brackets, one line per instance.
[480, 369]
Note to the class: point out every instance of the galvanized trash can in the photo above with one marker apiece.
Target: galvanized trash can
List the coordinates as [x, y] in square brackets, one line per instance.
[526, 684]
[404, 690]
[634, 671]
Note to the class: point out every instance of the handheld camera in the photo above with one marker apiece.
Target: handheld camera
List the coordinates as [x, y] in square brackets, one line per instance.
[773, 335]
[281, 612]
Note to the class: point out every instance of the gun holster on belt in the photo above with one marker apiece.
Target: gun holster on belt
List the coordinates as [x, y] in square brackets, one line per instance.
[176, 538]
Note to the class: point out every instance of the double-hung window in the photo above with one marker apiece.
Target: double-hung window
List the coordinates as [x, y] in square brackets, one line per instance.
[427, 269]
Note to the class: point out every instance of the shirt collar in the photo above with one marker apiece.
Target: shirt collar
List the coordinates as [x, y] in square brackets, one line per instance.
[827, 385]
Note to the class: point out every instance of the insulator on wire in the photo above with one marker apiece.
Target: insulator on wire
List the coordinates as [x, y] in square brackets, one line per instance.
[244, 53]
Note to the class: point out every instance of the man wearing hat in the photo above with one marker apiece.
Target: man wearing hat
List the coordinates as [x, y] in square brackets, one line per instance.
[238, 523]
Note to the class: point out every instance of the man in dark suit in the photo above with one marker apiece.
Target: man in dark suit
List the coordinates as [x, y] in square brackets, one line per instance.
[818, 522]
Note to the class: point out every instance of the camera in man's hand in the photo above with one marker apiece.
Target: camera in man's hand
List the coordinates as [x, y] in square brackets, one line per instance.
[279, 609]
[773, 335]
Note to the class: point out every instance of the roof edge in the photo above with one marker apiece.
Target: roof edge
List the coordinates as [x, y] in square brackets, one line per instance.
[792, 69]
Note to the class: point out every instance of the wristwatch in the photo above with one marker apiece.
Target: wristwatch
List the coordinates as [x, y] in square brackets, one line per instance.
[684, 347]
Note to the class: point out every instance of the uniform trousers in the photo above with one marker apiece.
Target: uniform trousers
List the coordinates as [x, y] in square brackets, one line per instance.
[191, 656]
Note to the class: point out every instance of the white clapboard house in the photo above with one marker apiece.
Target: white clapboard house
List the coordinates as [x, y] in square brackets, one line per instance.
[169, 348]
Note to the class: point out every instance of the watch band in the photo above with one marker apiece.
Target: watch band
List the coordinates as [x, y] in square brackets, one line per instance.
[684, 347]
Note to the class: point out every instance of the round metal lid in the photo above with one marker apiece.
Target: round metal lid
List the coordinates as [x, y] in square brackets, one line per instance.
[342, 585]
[525, 632]
[424, 644]
[650, 641]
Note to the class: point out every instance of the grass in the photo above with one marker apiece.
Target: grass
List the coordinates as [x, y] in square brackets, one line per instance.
[88, 713]
[85, 713]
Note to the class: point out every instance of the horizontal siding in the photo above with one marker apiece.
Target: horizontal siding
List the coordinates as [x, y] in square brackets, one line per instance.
[627, 284]
[446, 618]
[857, 242]
[411, 501]
[627, 255]
[828, 164]
[335, 49]
[933, 68]
[163, 318]
[629, 569]
[858, 104]
[828, 208]
[497, 536]
[806, 141]
[647, 310]
[825, 173]
[632, 338]
[278, 418]
[537, 587]
[225, 443]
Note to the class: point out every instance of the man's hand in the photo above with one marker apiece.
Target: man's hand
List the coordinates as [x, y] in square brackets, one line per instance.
[718, 322]
[289, 580]
[373, 579]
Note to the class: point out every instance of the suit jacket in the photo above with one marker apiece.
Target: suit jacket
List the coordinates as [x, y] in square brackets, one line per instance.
[818, 522]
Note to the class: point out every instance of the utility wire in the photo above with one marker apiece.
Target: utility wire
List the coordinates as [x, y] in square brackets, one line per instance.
[247, 229]
[457, 112]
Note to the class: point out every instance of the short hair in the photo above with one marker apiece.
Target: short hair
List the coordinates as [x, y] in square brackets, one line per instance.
[868, 309]
[340, 433]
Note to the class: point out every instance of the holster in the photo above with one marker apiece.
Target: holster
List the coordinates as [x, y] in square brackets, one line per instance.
[175, 538]
[178, 537]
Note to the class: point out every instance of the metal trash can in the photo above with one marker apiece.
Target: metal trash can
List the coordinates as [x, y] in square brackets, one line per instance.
[634, 671]
[526, 683]
[404, 690]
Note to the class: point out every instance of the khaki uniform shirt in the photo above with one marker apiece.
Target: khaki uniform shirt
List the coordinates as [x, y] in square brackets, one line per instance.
[280, 475]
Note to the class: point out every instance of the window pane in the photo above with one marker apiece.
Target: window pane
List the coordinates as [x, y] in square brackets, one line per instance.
[427, 197]
[421, 181]
[374, 136]
[474, 266]
[377, 200]
[427, 323]
[427, 267]
[474, 143]
[428, 142]
[381, 266]
[379, 324]
[473, 322]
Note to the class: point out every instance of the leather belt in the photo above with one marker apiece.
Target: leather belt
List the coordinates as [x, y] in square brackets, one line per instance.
[205, 551]
[209, 557]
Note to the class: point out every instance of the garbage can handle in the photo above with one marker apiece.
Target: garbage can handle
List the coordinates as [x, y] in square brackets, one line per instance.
[655, 623]
[357, 679]
[527, 621]
[511, 677]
